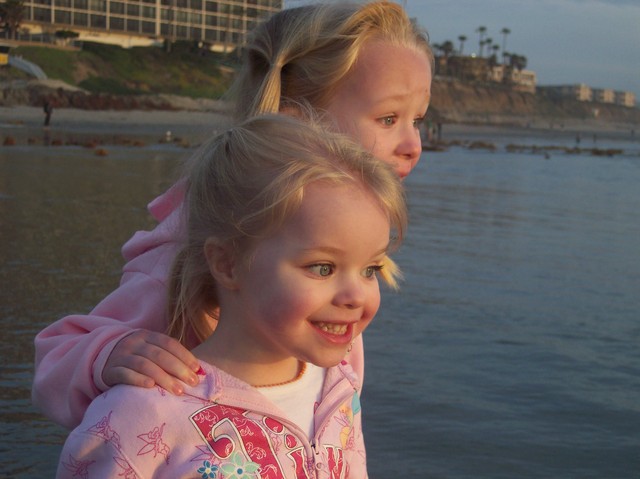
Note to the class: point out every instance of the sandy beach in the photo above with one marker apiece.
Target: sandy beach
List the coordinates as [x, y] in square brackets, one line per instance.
[198, 120]
[111, 119]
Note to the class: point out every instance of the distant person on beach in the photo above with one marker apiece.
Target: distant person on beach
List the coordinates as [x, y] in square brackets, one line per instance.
[48, 111]
[367, 68]
[287, 260]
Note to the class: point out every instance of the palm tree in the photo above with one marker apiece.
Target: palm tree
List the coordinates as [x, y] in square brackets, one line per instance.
[493, 59]
[505, 31]
[518, 61]
[481, 31]
[462, 39]
[488, 42]
[447, 47]
[11, 16]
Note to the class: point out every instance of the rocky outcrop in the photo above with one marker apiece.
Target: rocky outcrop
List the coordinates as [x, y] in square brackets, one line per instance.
[452, 102]
[61, 95]
[457, 102]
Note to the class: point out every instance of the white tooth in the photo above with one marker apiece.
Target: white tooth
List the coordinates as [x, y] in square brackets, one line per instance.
[333, 328]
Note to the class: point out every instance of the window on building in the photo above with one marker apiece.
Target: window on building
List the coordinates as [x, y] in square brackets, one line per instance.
[98, 5]
[182, 31]
[212, 36]
[133, 10]
[80, 19]
[63, 16]
[117, 7]
[42, 14]
[133, 25]
[148, 12]
[149, 27]
[98, 21]
[116, 23]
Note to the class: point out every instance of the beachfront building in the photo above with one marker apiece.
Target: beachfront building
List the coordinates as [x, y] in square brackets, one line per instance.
[603, 95]
[579, 91]
[625, 98]
[582, 92]
[218, 25]
[519, 80]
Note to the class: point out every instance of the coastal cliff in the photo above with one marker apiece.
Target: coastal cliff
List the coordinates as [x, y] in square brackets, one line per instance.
[457, 102]
[452, 102]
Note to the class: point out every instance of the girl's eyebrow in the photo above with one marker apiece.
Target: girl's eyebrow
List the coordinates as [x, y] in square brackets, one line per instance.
[335, 250]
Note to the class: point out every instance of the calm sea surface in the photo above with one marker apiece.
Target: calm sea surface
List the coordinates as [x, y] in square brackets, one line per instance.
[512, 350]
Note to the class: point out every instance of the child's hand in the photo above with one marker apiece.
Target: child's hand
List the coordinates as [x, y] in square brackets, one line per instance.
[146, 358]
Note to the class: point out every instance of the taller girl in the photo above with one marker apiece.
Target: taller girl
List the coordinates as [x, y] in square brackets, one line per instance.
[367, 67]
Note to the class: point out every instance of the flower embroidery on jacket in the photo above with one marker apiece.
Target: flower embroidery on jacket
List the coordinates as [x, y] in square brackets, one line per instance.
[153, 443]
[103, 429]
[78, 468]
[208, 470]
[127, 470]
[239, 468]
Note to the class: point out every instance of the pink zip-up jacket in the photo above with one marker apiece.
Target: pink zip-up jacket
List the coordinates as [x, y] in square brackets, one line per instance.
[71, 353]
[221, 428]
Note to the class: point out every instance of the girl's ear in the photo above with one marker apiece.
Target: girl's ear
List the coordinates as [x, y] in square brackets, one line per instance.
[221, 259]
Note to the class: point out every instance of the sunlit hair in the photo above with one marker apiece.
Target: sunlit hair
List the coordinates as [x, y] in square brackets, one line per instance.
[303, 54]
[244, 184]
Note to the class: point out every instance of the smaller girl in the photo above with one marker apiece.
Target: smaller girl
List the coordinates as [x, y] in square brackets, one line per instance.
[287, 228]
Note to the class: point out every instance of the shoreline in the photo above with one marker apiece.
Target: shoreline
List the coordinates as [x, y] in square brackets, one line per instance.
[17, 120]
[31, 116]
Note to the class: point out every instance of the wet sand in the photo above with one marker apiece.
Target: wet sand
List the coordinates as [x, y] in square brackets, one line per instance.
[111, 121]
[196, 124]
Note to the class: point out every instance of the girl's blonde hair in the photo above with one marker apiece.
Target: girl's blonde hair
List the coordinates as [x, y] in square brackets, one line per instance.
[242, 187]
[302, 54]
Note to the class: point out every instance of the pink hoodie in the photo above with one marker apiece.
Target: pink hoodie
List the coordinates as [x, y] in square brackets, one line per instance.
[72, 352]
[217, 429]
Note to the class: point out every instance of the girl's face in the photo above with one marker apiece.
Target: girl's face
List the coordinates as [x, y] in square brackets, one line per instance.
[383, 100]
[311, 288]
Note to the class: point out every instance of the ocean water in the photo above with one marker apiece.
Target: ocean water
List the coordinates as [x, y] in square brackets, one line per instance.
[511, 350]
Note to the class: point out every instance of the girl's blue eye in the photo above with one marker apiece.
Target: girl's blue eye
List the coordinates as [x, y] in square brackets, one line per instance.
[322, 269]
[371, 271]
[388, 120]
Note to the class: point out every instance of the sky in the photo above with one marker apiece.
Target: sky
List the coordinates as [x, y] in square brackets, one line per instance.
[596, 42]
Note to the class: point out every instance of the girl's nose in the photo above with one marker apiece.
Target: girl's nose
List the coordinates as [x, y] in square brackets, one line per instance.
[410, 145]
[350, 294]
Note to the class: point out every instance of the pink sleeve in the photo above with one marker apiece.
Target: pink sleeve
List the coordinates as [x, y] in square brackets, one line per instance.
[101, 445]
[71, 353]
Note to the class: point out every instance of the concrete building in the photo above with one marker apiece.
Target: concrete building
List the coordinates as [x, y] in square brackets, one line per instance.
[603, 95]
[523, 80]
[218, 25]
[582, 92]
[625, 98]
[520, 80]
[579, 91]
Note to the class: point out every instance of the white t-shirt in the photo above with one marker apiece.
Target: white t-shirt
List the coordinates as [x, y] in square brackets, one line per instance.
[298, 399]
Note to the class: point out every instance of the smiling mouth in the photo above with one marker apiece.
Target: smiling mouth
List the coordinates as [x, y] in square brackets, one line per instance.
[333, 328]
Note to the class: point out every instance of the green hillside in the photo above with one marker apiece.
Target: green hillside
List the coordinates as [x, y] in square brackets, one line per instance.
[99, 68]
